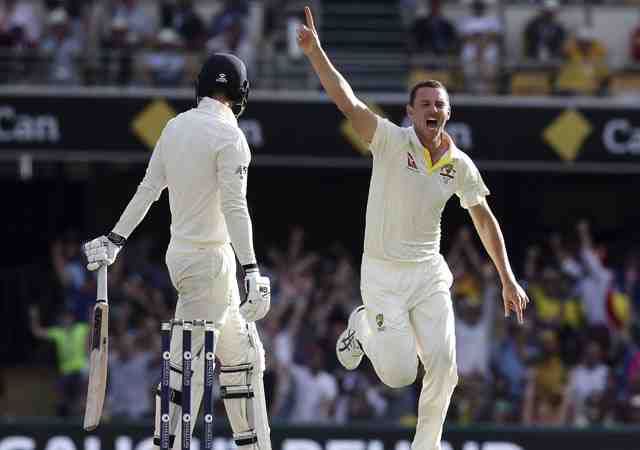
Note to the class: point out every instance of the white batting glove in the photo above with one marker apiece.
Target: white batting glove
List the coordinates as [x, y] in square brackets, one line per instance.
[103, 250]
[258, 300]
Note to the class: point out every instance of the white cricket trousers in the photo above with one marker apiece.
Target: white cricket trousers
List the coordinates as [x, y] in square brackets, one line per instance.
[409, 315]
[205, 278]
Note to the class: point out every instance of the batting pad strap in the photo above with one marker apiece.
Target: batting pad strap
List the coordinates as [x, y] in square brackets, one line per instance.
[239, 391]
[175, 396]
[248, 367]
[246, 438]
[156, 440]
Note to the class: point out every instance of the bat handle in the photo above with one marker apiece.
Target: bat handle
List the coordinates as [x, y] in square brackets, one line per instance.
[102, 283]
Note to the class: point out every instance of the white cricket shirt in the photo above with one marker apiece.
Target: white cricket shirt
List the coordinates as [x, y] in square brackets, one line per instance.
[202, 156]
[407, 194]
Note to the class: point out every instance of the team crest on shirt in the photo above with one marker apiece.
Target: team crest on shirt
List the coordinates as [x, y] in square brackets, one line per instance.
[241, 171]
[447, 173]
[380, 321]
[411, 162]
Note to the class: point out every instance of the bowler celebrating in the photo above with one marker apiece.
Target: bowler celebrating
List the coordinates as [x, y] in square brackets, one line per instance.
[405, 282]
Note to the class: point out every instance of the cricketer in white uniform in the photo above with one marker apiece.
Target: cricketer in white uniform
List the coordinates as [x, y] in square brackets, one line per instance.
[405, 283]
[202, 157]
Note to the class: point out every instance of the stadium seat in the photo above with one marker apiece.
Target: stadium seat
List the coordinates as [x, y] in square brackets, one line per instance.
[625, 83]
[445, 76]
[530, 83]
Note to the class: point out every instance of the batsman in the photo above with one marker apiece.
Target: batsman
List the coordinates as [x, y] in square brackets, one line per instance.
[202, 157]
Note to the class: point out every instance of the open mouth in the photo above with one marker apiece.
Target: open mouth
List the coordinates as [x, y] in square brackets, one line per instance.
[432, 124]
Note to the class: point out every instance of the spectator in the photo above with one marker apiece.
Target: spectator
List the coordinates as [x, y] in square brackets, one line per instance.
[472, 399]
[182, 16]
[433, 33]
[584, 70]
[509, 361]
[130, 377]
[480, 55]
[546, 382]
[233, 38]
[587, 379]
[630, 279]
[596, 280]
[475, 322]
[544, 35]
[316, 389]
[601, 407]
[360, 399]
[118, 49]
[549, 296]
[71, 340]
[61, 50]
[72, 276]
[593, 280]
[141, 24]
[504, 410]
[166, 64]
[232, 12]
[474, 300]
[20, 26]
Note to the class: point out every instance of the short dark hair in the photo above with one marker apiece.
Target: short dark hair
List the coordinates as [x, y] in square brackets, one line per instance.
[435, 84]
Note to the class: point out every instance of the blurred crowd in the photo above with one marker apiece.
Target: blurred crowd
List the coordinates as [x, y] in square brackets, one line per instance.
[148, 43]
[133, 42]
[575, 361]
[555, 58]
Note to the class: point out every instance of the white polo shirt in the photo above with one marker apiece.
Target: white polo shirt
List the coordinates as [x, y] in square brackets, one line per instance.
[408, 193]
[202, 156]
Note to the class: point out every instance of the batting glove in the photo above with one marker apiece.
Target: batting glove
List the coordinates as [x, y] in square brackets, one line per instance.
[258, 300]
[103, 250]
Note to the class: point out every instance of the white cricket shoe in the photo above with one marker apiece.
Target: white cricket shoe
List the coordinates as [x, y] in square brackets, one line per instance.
[348, 349]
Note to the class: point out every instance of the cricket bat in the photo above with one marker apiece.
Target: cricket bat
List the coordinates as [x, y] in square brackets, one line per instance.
[98, 359]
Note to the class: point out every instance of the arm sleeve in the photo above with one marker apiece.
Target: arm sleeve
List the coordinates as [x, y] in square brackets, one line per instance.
[148, 191]
[381, 138]
[233, 162]
[471, 188]
[571, 267]
[593, 264]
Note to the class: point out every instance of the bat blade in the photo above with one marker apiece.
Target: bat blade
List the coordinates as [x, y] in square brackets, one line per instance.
[98, 366]
[99, 357]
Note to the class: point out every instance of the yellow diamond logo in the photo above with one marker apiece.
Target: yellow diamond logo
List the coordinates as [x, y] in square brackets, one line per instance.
[354, 139]
[148, 123]
[567, 133]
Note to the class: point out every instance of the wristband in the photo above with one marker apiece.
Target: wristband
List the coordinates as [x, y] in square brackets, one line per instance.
[250, 268]
[116, 239]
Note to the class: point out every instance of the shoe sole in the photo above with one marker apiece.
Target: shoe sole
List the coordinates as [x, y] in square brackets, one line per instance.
[342, 336]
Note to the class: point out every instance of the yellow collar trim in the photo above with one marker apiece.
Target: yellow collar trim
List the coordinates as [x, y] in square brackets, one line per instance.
[445, 159]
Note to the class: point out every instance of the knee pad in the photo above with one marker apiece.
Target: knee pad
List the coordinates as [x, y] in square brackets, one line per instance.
[242, 390]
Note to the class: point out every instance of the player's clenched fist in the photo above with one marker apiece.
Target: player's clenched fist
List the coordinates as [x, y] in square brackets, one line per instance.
[102, 250]
[258, 300]
[307, 34]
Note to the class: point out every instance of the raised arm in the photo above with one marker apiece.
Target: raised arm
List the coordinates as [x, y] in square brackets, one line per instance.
[34, 324]
[363, 120]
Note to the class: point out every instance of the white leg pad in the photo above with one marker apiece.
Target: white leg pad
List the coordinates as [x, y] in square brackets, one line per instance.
[242, 389]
